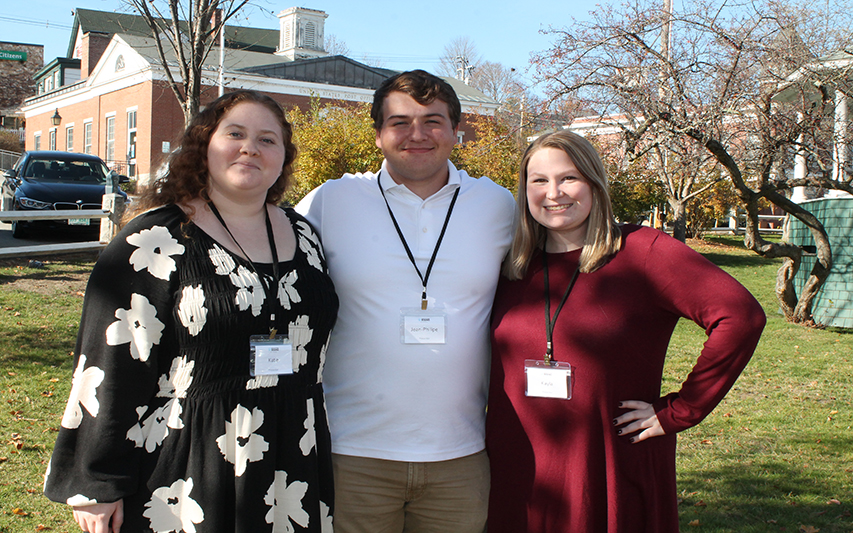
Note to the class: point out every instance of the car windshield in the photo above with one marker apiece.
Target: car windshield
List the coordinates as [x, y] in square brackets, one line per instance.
[67, 170]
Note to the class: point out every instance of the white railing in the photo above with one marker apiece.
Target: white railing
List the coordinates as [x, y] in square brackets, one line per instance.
[20, 132]
[738, 225]
[8, 159]
[110, 215]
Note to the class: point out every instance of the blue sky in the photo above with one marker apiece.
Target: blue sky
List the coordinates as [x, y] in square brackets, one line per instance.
[399, 35]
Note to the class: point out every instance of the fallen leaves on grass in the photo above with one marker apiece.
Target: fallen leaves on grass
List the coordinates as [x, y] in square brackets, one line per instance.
[18, 511]
[694, 523]
[808, 529]
[42, 527]
[17, 441]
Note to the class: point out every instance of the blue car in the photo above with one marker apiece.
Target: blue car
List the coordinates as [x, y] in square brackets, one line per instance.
[60, 181]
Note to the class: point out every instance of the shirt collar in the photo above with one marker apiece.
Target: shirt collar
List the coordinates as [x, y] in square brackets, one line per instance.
[454, 180]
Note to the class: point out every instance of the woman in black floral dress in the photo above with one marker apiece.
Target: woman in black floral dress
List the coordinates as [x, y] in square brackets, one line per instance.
[197, 402]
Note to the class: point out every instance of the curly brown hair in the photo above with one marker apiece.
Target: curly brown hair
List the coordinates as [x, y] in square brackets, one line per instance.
[187, 175]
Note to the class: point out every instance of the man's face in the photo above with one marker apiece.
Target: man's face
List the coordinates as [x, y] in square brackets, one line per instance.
[416, 141]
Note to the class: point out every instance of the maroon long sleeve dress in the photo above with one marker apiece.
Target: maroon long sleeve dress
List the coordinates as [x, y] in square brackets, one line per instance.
[559, 465]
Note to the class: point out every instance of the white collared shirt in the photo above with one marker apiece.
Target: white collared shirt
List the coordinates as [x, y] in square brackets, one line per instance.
[395, 401]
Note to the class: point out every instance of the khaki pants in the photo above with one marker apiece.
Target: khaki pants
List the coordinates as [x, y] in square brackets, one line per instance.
[380, 496]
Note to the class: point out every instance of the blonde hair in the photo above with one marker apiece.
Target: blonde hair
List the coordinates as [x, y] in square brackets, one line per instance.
[603, 237]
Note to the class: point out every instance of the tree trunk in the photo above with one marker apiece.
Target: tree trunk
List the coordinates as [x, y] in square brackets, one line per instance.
[796, 309]
[785, 291]
[816, 279]
[679, 219]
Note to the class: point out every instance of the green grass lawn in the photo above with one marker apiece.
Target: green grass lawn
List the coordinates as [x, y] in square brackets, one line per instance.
[776, 455]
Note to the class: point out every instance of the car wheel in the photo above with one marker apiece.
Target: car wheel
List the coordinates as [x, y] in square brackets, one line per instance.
[18, 230]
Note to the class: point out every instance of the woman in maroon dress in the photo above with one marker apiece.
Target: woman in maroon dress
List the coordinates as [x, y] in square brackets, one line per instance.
[580, 438]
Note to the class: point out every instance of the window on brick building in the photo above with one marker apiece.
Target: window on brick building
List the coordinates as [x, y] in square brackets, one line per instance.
[110, 151]
[131, 142]
[87, 138]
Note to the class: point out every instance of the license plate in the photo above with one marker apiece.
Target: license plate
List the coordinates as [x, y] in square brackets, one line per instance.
[78, 221]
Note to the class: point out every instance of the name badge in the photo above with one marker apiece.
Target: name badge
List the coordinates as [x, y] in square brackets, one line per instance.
[270, 356]
[423, 327]
[548, 380]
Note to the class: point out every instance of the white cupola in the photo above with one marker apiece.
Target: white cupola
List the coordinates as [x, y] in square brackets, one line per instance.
[301, 33]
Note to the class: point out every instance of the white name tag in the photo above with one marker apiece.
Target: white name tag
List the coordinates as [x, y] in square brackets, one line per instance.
[270, 356]
[423, 327]
[548, 380]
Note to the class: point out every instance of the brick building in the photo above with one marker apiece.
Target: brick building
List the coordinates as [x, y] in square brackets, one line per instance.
[112, 99]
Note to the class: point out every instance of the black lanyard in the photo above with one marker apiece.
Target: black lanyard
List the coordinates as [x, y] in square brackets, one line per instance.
[424, 279]
[269, 289]
[549, 322]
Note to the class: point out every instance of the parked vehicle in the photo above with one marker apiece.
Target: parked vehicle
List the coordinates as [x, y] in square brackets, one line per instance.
[42, 180]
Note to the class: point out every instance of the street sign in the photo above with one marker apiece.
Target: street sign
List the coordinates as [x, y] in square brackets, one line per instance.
[13, 55]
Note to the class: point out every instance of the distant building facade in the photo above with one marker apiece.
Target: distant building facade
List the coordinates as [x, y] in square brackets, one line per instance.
[113, 99]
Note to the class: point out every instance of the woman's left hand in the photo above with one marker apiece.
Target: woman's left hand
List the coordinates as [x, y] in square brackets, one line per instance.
[640, 418]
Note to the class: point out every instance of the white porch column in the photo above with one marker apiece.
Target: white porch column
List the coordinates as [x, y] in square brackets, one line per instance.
[840, 147]
[798, 194]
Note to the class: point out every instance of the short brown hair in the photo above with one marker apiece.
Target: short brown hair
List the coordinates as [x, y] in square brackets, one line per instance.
[423, 87]
[187, 174]
[603, 236]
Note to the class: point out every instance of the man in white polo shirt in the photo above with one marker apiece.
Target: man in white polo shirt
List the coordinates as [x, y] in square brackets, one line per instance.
[415, 253]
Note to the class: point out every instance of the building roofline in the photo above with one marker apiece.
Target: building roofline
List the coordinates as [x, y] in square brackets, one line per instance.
[57, 61]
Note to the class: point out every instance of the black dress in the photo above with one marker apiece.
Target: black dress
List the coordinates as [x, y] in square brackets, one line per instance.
[164, 412]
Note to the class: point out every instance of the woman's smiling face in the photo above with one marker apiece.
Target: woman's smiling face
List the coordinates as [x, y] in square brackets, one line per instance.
[558, 196]
[246, 152]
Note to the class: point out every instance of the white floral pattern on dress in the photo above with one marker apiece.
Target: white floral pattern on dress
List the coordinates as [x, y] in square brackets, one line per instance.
[325, 519]
[262, 382]
[308, 232]
[222, 260]
[300, 335]
[155, 428]
[286, 503]
[135, 433]
[309, 440]
[191, 310]
[83, 394]
[155, 247]
[322, 362]
[311, 253]
[138, 325]
[250, 292]
[78, 500]
[240, 445]
[172, 509]
[287, 292]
